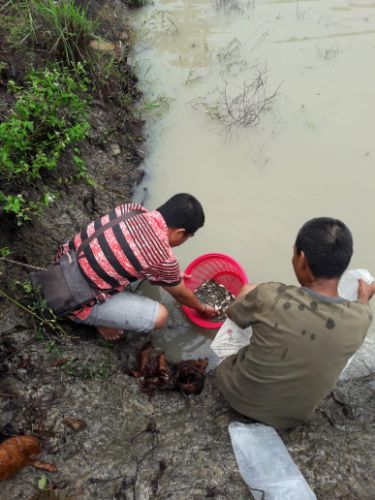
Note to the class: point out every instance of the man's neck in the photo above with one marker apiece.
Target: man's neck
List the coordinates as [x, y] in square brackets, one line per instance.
[323, 286]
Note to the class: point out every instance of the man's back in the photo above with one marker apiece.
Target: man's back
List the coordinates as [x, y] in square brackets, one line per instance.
[301, 341]
[130, 250]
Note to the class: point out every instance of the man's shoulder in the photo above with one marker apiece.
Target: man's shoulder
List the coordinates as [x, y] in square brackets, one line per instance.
[276, 287]
[130, 207]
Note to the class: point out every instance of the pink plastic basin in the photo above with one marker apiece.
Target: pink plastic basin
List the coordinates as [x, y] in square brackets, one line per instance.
[215, 266]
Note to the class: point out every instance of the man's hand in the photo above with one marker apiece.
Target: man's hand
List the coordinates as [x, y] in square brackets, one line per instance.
[185, 296]
[365, 291]
[208, 311]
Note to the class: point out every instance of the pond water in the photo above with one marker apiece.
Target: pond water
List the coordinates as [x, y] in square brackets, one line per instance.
[264, 111]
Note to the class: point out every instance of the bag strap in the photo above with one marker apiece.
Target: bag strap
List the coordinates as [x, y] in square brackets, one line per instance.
[109, 224]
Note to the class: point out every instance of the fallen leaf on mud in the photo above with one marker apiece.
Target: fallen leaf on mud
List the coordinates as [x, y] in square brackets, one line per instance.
[115, 148]
[42, 483]
[44, 466]
[25, 362]
[17, 452]
[58, 362]
[102, 45]
[76, 424]
[45, 433]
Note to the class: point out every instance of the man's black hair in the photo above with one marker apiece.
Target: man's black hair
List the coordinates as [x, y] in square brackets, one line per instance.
[328, 246]
[183, 211]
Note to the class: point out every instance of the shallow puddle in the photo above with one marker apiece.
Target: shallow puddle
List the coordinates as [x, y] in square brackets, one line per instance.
[264, 111]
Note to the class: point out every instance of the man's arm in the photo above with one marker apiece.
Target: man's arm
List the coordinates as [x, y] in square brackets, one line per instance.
[245, 290]
[365, 291]
[185, 296]
[241, 311]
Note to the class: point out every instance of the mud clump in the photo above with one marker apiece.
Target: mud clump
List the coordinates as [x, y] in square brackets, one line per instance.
[186, 376]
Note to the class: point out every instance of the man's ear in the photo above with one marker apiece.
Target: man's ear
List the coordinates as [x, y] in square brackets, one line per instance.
[180, 231]
[303, 260]
[177, 235]
[305, 266]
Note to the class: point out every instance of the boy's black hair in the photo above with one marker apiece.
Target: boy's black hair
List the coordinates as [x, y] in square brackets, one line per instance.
[183, 211]
[327, 244]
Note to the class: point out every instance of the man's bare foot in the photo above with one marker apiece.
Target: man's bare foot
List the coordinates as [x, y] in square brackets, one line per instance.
[110, 333]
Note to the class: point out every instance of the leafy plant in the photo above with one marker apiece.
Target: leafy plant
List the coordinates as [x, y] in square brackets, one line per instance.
[155, 106]
[17, 204]
[5, 251]
[86, 370]
[3, 67]
[49, 115]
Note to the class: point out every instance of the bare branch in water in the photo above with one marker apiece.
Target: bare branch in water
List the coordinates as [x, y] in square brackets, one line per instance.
[245, 108]
[236, 107]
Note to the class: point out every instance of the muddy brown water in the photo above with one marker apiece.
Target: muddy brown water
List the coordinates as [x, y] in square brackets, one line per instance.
[311, 154]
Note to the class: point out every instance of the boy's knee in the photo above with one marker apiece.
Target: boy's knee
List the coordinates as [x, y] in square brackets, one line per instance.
[162, 317]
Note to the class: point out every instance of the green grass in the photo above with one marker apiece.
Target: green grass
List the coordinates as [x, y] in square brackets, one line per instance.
[62, 28]
[66, 31]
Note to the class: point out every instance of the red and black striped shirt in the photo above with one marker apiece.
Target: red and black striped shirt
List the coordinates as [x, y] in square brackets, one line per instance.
[130, 250]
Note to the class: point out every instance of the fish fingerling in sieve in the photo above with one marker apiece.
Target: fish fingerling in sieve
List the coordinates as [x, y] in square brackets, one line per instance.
[213, 293]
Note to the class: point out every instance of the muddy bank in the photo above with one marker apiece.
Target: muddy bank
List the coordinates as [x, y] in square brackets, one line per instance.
[112, 151]
[134, 447]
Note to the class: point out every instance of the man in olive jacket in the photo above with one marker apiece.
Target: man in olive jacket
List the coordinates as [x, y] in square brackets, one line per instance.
[302, 336]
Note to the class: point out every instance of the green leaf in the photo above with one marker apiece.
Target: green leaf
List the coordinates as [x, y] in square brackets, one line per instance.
[42, 483]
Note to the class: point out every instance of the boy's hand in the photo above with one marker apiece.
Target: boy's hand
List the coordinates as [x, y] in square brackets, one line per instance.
[365, 291]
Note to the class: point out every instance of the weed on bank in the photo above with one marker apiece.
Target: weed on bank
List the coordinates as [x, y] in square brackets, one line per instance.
[48, 116]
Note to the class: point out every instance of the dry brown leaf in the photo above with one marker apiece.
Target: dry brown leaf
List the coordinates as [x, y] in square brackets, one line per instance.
[77, 424]
[102, 45]
[58, 362]
[15, 453]
[44, 466]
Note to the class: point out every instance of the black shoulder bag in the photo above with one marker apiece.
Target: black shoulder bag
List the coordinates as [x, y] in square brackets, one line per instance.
[62, 285]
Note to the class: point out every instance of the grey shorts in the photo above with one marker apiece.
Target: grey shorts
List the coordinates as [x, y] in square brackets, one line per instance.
[125, 311]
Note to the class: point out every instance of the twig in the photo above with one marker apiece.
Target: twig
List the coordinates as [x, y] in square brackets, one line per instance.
[47, 322]
[245, 108]
[6, 5]
[21, 348]
[15, 329]
[36, 268]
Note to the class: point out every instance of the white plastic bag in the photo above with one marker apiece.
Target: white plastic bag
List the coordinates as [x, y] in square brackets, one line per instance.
[265, 464]
[230, 339]
[348, 284]
[348, 289]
